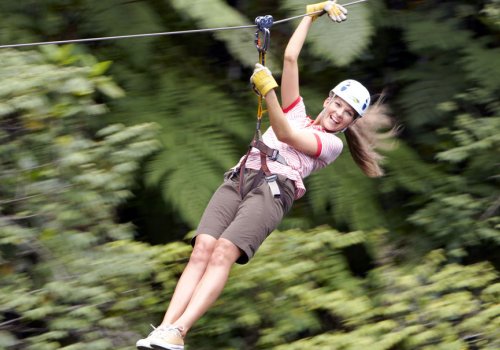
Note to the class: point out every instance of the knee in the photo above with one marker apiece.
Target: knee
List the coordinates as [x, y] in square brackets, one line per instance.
[202, 251]
[225, 253]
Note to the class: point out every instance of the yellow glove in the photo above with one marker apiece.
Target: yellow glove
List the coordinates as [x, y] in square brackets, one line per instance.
[262, 80]
[336, 12]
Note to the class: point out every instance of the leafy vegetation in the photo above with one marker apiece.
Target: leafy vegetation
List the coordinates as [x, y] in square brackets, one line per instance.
[61, 183]
[97, 159]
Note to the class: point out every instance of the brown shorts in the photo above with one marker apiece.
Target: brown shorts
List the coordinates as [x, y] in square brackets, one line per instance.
[246, 222]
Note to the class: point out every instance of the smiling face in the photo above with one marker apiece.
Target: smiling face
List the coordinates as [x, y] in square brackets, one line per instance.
[336, 115]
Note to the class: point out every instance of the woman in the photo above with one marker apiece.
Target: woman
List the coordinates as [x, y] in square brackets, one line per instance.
[229, 230]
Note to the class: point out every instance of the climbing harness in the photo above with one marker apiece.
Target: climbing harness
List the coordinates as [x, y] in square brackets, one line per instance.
[145, 35]
[262, 40]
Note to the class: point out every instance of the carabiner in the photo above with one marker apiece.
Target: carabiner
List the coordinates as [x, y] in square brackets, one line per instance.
[264, 23]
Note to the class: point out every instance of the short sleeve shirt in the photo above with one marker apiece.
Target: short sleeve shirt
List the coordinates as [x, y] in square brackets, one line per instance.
[300, 165]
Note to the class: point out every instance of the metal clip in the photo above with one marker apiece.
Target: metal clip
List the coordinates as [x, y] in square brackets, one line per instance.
[273, 185]
[275, 154]
[234, 172]
[264, 23]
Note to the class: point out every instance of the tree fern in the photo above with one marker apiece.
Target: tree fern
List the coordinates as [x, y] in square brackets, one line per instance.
[437, 32]
[491, 14]
[479, 65]
[343, 195]
[200, 141]
[340, 44]
[433, 37]
[240, 43]
[117, 17]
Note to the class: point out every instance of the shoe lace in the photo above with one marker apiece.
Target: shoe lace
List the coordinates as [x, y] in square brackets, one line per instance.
[157, 330]
[177, 330]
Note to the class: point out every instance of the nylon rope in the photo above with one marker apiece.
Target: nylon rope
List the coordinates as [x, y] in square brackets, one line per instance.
[145, 35]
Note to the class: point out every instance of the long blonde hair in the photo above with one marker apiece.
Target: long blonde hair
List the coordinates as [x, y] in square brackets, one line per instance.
[367, 135]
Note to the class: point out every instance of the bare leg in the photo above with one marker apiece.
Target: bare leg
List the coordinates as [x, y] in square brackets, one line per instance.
[192, 274]
[211, 284]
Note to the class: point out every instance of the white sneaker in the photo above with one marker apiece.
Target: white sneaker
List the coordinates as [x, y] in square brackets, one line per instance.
[145, 344]
[169, 338]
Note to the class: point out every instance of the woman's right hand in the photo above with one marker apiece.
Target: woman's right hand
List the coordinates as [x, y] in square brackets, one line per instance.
[262, 80]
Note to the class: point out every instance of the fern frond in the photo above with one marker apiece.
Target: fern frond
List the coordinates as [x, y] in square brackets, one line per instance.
[431, 32]
[199, 140]
[340, 44]
[345, 194]
[432, 83]
[240, 43]
[406, 170]
[481, 65]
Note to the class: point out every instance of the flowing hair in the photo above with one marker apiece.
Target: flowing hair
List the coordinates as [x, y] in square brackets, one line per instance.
[371, 132]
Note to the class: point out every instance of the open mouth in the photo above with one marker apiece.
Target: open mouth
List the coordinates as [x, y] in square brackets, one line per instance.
[335, 120]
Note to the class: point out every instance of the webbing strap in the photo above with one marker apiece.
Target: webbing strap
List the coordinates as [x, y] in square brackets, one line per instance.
[271, 153]
[263, 24]
[263, 164]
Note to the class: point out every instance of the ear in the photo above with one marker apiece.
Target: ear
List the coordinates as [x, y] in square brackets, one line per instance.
[328, 100]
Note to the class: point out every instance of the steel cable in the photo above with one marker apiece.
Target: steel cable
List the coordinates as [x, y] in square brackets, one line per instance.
[118, 37]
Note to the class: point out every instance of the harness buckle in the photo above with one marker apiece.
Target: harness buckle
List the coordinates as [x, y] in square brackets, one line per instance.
[275, 154]
[234, 172]
[272, 178]
[273, 185]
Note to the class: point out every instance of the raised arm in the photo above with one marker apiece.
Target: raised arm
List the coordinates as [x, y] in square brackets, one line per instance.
[264, 83]
[290, 88]
[290, 78]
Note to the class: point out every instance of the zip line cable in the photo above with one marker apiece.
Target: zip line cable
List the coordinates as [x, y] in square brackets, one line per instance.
[117, 37]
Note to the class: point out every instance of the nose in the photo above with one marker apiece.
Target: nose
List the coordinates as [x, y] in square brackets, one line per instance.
[339, 112]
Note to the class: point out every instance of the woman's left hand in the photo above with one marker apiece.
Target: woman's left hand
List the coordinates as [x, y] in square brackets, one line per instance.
[336, 12]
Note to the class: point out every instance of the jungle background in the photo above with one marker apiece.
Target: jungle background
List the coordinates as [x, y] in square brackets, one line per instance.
[110, 150]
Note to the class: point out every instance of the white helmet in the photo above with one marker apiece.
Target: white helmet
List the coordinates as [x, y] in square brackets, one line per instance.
[354, 93]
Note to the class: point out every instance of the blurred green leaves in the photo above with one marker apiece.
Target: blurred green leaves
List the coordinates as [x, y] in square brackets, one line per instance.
[71, 274]
[61, 182]
[314, 301]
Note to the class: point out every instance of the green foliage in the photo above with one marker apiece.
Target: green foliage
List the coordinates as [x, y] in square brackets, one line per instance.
[341, 44]
[466, 214]
[198, 141]
[177, 96]
[491, 14]
[71, 276]
[61, 181]
[299, 293]
[238, 42]
[352, 198]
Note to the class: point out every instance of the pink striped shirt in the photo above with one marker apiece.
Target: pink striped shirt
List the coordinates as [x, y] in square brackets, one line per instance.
[300, 165]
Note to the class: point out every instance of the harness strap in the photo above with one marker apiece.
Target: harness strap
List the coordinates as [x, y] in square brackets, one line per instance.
[271, 153]
[263, 24]
[241, 170]
[271, 179]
